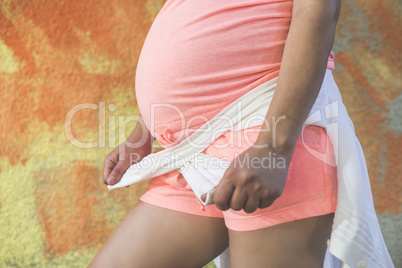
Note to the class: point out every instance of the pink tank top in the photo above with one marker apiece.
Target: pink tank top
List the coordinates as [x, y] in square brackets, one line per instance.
[201, 55]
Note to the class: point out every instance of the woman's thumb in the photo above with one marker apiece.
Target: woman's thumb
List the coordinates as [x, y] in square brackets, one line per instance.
[117, 173]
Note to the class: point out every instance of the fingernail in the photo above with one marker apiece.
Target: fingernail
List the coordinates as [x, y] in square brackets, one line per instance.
[110, 180]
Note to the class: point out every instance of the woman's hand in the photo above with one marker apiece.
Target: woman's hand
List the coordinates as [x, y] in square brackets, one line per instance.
[253, 180]
[131, 151]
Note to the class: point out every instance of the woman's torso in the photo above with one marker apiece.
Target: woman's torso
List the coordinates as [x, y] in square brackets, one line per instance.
[199, 56]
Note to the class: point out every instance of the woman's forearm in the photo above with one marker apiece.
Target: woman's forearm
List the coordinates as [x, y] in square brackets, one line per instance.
[308, 45]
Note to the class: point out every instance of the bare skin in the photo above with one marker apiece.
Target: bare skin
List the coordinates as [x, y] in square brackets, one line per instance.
[155, 237]
[150, 237]
[299, 243]
[137, 146]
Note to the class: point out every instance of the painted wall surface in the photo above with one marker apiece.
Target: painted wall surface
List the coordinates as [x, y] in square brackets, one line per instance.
[57, 57]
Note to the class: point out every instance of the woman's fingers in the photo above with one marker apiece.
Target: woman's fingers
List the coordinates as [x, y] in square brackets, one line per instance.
[238, 199]
[251, 204]
[266, 202]
[223, 193]
[108, 168]
[117, 173]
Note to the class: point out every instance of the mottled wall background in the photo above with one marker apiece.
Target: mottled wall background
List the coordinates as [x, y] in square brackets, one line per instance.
[61, 55]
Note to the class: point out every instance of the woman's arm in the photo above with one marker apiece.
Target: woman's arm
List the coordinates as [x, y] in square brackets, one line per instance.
[308, 45]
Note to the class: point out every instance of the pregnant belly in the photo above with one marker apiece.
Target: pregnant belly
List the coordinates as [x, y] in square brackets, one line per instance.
[199, 56]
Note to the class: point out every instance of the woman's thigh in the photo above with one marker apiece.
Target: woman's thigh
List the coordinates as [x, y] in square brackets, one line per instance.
[300, 243]
[151, 236]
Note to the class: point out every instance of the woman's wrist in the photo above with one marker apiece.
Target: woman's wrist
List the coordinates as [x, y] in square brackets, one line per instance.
[140, 137]
[276, 142]
[279, 133]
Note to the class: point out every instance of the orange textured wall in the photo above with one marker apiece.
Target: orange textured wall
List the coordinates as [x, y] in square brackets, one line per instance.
[56, 56]
[368, 49]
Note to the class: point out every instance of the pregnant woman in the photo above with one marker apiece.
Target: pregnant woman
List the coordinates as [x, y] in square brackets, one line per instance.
[200, 56]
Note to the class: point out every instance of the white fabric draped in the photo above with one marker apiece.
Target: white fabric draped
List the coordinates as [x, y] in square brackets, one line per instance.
[356, 237]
